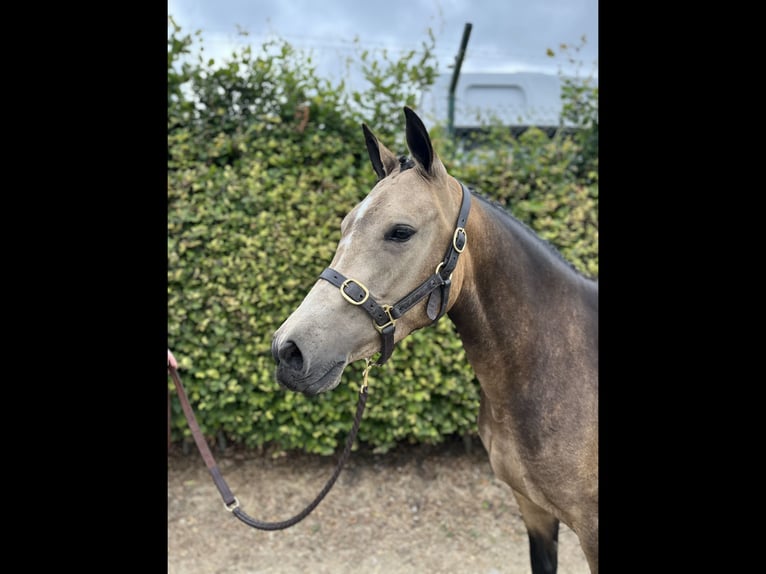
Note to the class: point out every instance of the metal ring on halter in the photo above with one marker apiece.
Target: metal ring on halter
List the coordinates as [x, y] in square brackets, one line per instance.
[234, 505]
[391, 320]
[439, 266]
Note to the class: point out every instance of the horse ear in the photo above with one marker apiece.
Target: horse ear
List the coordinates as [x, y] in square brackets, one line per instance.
[418, 140]
[420, 146]
[383, 160]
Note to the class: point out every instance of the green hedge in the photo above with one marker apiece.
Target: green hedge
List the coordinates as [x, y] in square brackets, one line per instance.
[256, 195]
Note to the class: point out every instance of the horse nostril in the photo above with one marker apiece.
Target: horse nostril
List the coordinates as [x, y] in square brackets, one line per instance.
[291, 355]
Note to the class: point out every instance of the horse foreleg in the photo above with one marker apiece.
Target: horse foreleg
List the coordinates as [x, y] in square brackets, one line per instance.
[543, 532]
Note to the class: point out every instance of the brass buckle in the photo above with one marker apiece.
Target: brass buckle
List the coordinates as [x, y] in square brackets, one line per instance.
[438, 268]
[349, 299]
[454, 239]
[391, 320]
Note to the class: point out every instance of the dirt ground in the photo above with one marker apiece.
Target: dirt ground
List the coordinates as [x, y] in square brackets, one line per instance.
[417, 509]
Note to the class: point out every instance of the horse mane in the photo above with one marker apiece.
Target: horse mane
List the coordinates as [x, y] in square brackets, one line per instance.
[531, 234]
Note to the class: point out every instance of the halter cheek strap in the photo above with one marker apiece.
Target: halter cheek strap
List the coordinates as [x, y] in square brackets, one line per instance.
[437, 286]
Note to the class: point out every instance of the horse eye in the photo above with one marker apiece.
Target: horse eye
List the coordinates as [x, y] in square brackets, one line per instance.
[400, 233]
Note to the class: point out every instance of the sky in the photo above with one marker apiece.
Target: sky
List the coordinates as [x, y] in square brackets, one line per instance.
[507, 35]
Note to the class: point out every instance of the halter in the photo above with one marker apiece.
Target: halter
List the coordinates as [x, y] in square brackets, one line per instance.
[384, 317]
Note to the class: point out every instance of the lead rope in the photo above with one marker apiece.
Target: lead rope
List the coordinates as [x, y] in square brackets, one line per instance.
[230, 501]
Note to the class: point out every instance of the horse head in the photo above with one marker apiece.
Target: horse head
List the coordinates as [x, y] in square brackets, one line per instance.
[389, 275]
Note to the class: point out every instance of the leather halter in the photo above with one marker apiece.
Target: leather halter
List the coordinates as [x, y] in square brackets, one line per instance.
[384, 316]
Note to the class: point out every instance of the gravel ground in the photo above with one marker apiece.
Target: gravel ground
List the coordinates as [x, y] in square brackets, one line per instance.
[417, 509]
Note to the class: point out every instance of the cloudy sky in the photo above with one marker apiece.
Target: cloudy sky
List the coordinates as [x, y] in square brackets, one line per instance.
[507, 35]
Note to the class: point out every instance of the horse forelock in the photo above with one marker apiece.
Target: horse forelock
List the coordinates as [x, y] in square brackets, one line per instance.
[405, 163]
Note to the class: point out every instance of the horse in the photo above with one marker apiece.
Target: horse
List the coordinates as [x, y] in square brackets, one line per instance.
[528, 322]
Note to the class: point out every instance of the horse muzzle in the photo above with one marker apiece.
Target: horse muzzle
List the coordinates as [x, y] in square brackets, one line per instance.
[296, 373]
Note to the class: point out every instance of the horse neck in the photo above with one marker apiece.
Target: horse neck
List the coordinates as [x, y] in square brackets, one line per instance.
[514, 295]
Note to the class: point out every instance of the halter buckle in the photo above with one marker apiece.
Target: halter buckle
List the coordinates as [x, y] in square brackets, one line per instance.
[455, 246]
[391, 320]
[348, 298]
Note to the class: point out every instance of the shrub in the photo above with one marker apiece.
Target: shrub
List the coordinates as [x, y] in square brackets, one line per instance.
[264, 160]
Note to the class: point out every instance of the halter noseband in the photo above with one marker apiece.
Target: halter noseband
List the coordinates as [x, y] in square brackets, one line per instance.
[384, 316]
